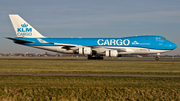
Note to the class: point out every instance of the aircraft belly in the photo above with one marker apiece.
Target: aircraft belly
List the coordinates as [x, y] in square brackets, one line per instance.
[135, 50]
[129, 50]
[147, 51]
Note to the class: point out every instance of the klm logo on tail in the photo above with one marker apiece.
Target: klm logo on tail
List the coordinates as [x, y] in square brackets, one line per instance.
[24, 31]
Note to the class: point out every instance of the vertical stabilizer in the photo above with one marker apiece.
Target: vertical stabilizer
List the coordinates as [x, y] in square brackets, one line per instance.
[22, 28]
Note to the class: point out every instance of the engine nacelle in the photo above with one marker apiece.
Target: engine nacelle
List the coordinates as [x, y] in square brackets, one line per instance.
[85, 50]
[111, 53]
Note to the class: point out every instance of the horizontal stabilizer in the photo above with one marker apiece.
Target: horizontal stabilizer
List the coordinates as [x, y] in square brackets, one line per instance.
[19, 40]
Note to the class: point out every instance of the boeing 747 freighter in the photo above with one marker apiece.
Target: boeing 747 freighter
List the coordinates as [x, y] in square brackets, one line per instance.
[93, 48]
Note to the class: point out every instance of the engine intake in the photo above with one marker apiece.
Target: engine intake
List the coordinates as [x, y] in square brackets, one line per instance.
[85, 50]
[111, 53]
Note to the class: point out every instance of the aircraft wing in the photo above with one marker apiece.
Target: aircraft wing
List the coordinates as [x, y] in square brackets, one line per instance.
[69, 46]
[66, 45]
[20, 40]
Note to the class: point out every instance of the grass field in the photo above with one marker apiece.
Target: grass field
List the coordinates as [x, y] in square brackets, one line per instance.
[61, 88]
[38, 88]
[100, 67]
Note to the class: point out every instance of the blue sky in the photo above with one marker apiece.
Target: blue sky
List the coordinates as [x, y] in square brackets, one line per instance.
[91, 18]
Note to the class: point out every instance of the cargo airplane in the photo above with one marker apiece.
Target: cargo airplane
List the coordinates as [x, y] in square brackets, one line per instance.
[93, 48]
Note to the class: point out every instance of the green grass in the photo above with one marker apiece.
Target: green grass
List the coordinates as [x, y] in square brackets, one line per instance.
[103, 67]
[62, 88]
[54, 88]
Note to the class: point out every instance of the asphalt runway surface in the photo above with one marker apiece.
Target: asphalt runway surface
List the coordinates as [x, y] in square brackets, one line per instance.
[86, 75]
[151, 60]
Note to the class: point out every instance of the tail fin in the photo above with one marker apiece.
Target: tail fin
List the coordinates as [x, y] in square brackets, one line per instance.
[22, 28]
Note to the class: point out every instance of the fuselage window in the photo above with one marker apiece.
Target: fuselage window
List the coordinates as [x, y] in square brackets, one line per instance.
[162, 38]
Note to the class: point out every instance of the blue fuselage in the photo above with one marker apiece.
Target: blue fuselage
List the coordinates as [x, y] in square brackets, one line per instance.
[150, 42]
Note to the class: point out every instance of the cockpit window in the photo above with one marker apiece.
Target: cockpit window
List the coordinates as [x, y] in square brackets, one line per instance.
[162, 38]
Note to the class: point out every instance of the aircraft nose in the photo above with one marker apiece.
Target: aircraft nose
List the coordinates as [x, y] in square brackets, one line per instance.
[174, 46]
[171, 46]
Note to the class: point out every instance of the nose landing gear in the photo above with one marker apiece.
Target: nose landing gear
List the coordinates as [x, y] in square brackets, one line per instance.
[157, 57]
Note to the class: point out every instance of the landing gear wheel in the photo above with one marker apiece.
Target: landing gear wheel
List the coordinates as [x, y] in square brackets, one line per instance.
[157, 58]
[98, 57]
[101, 58]
[89, 57]
[94, 58]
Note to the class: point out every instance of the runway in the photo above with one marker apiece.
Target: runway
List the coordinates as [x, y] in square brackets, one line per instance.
[86, 75]
[44, 59]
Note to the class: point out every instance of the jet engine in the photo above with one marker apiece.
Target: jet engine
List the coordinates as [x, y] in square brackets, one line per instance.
[111, 53]
[85, 50]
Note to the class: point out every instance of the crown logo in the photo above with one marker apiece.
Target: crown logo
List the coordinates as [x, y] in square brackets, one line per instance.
[135, 43]
[24, 25]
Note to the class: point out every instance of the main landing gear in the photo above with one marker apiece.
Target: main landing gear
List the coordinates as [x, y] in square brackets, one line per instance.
[157, 56]
[97, 57]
